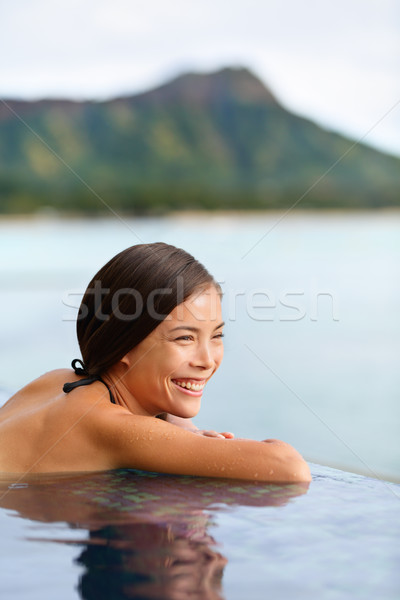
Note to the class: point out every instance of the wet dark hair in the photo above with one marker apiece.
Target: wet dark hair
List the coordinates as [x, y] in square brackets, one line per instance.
[130, 296]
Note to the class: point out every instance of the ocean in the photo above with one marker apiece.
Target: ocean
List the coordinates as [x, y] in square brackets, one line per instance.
[311, 305]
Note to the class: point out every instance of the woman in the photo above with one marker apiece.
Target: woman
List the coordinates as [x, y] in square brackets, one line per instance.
[150, 333]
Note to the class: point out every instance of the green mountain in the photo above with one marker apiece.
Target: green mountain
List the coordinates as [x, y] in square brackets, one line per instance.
[219, 140]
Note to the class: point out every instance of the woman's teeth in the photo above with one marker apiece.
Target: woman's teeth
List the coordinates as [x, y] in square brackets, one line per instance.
[196, 387]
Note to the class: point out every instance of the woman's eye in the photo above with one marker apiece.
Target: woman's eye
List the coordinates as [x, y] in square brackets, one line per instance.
[189, 338]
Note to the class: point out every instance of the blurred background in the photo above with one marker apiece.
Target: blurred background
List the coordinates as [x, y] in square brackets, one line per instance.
[263, 137]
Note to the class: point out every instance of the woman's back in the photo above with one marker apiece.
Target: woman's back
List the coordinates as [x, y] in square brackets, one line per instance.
[42, 428]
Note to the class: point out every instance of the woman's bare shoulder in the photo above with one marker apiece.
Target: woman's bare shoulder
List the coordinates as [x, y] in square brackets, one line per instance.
[54, 377]
[46, 393]
[47, 384]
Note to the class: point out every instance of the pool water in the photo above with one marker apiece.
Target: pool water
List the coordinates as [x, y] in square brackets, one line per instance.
[129, 534]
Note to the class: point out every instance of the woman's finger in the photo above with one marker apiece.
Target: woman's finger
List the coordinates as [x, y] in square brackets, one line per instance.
[210, 433]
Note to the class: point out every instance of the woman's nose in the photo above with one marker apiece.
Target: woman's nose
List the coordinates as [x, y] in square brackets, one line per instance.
[203, 357]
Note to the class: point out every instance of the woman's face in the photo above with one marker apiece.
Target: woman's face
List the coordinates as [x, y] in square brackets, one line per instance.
[168, 370]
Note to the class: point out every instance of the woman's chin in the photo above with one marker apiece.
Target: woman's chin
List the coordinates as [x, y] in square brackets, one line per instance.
[188, 412]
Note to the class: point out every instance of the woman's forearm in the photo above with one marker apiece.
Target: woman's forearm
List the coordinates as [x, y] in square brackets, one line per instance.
[171, 449]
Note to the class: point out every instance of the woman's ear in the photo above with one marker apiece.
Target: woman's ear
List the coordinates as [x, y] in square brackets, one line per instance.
[125, 360]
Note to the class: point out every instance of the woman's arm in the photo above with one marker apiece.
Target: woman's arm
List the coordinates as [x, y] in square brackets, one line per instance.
[151, 444]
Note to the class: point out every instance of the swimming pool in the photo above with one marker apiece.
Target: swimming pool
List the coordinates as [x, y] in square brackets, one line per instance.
[128, 534]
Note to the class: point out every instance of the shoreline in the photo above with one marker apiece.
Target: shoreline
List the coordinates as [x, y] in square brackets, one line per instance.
[59, 216]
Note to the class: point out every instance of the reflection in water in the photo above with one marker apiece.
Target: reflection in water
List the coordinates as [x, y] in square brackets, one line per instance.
[147, 534]
[146, 560]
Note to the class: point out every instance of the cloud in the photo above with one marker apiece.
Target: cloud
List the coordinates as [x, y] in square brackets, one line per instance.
[337, 63]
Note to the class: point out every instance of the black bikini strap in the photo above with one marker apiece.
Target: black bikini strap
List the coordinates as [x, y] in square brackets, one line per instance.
[68, 387]
[82, 370]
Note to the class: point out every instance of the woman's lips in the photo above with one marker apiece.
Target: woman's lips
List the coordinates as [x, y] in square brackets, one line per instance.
[193, 387]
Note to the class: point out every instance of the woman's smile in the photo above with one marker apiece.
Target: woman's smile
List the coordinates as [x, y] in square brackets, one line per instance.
[192, 387]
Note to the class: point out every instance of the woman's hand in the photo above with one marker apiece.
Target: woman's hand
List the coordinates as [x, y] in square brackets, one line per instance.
[210, 433]
[190, 426]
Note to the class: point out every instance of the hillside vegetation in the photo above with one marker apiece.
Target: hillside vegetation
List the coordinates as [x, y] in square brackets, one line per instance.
[201, 141]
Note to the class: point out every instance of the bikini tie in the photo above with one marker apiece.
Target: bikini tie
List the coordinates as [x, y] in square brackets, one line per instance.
[82, 370]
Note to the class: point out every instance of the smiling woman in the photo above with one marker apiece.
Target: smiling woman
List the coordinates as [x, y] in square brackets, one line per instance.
[150, 333]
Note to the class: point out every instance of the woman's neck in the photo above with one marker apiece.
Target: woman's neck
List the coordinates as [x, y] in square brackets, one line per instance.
[122, 395]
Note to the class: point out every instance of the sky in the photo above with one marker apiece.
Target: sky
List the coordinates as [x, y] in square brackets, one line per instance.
[335, 62]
